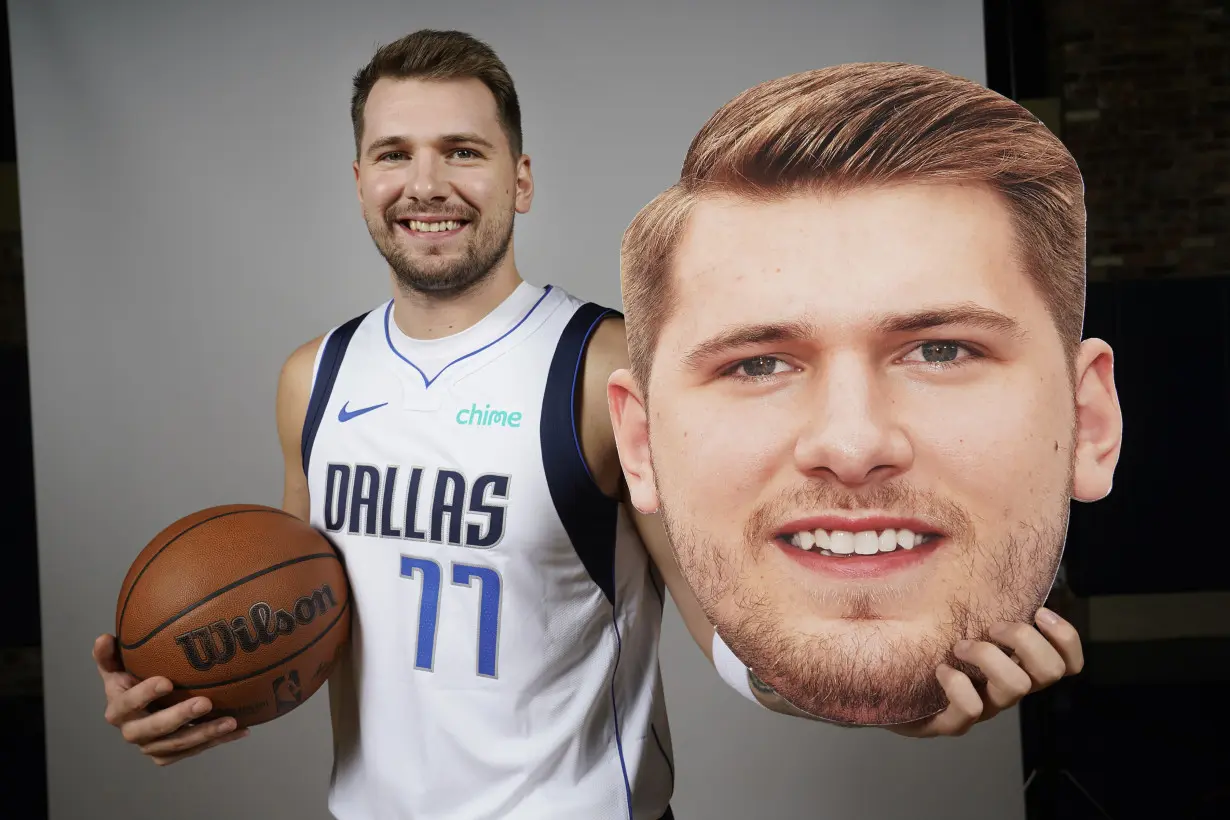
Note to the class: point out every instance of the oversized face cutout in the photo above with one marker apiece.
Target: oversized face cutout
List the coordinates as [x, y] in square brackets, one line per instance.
[863, 435]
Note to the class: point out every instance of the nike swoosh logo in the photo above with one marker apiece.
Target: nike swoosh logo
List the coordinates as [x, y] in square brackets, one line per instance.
[347, 415]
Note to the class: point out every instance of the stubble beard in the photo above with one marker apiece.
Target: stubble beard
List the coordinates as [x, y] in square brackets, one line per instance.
[863, 675]
[487, 248]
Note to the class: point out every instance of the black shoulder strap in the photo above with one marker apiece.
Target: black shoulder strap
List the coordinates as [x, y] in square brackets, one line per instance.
[587, 514]
[326, 375]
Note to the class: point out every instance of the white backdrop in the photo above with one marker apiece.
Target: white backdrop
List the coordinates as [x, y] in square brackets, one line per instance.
[189, 218]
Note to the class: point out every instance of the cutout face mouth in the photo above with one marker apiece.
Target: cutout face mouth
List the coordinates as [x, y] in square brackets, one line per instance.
[854, 548]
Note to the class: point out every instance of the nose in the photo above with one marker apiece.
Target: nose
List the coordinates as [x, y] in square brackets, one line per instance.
[850, 431]
[426, 178]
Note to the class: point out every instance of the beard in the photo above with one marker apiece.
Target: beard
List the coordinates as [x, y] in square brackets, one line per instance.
[866, 673]
[430, 275]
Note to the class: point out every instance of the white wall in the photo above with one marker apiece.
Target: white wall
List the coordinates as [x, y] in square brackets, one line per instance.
[189, 218]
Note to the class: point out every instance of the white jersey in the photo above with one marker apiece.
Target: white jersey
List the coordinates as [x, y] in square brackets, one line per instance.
[503, 658]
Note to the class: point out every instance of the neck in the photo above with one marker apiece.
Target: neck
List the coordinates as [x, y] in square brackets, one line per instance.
[433, 316]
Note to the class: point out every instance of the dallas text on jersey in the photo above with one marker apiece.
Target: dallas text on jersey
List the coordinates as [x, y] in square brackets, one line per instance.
[361, 500]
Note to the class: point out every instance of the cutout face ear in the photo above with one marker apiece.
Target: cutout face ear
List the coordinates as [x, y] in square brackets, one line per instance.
[1099, 422]
[630, 421]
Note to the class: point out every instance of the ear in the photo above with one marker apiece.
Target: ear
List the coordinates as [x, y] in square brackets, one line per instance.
[357, 187]
[631, 425]
[524, 185]
[1099, 422]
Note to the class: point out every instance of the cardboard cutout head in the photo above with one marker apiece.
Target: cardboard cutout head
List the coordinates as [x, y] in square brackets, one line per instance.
[859, 397]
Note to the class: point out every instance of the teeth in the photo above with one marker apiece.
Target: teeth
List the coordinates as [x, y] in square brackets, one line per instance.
[433, 227]
[888, 541]
[865, 542]
[842, 543]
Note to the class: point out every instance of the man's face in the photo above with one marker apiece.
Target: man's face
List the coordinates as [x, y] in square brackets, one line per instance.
[438, 183]
[863, 438]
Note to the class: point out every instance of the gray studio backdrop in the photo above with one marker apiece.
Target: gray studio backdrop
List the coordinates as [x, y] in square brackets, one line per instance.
[189, 217]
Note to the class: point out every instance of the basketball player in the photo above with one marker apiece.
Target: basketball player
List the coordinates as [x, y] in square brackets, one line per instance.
[858, 393]
[455, 443]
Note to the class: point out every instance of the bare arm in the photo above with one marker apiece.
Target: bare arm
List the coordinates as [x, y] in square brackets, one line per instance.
[170, 735]
[606, 353]
[294, 391]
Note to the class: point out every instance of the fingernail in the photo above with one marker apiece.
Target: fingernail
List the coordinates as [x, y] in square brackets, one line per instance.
[1047, 617]
[200, 707]
[227, 725]
[964, 646]
[163, 687]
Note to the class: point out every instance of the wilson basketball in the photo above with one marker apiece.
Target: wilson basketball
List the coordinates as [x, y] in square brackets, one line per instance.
[243, 604]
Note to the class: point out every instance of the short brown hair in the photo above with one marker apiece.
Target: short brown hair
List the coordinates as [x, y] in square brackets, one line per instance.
[861, 125]
[429, 54]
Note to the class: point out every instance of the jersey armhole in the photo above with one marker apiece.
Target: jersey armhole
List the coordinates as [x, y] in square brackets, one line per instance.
[320, 354]
[588, 515]
[324, 373]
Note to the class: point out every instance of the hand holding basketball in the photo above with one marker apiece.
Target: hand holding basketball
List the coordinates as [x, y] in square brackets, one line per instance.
[232, 615]
[168, 735]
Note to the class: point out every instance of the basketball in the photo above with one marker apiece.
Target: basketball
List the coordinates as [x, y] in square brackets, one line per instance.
[243, 604]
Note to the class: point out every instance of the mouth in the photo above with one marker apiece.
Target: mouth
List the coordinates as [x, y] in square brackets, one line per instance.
[859, 548]
[432, 228]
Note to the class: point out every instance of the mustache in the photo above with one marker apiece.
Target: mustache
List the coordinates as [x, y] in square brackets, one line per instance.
[894, 498]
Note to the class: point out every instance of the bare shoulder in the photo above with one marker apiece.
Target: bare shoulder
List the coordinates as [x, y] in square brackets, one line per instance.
[295, 387]
[294, 393]
[606, 352]
[297, 368]
[608, 347]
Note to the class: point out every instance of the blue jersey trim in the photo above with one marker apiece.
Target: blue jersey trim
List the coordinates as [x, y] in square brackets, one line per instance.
[588, 515]
[619, 744]
[330, 365]
[427, 382]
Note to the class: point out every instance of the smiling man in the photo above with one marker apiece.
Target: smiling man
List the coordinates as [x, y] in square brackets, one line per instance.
[858, 394]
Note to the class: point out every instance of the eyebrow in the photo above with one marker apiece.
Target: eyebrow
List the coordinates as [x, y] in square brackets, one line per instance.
[965, 314]
[797, 330]
[460, 138]
[746, 335]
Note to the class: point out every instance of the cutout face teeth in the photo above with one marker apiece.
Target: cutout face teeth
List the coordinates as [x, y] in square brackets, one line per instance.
[864, 542]
[841, 542]
[888, 541]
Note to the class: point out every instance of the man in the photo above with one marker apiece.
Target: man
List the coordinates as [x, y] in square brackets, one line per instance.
[858, 393]
[456, 445]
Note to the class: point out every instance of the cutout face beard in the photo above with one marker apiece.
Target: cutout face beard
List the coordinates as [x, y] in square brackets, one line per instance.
[863, 651]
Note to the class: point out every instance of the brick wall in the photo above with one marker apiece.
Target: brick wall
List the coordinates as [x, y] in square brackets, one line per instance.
[1145, 93]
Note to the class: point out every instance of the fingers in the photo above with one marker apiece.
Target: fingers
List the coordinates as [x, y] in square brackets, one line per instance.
[106, 655]
[175, 757]
[126, 700]
[145, 730]
[1037, 657]
[189, 738]
[1064, 638]
[1006, 683]
[964, 706]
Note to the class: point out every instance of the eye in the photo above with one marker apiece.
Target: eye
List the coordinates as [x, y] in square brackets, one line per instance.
[942, 354]
[473, 154]
[392, 155]
[757, 367]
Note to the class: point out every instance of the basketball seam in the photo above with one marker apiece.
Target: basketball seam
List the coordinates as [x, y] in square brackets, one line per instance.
[276, 664]
[223, 591]
[119, 627]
